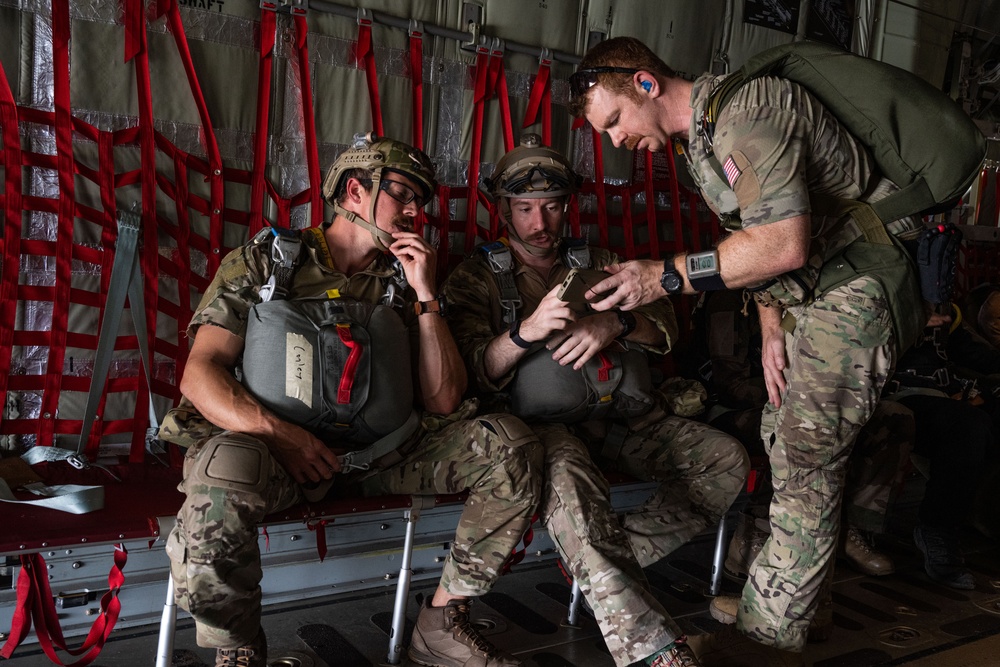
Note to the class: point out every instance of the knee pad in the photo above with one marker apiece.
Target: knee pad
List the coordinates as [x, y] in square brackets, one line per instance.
[512, 431]
[234, 461]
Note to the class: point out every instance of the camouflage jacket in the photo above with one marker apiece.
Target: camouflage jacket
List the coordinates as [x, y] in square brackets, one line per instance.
[475, 314]
[779, 147]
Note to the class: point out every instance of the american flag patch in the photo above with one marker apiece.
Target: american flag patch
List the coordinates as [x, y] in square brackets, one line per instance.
[732, 172]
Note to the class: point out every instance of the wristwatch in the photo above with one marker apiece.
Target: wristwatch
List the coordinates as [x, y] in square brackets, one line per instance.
[627, 320]
[515, 335]
[671, 281]
[438, 306]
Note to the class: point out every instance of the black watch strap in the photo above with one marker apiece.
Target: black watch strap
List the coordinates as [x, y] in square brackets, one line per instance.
[628, 322]
[515, 335]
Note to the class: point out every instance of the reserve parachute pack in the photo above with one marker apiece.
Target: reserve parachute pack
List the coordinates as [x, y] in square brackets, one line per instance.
[919, 137]
[331, 365]
[614, 383]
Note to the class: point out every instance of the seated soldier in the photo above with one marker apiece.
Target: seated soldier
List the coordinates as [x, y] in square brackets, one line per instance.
[261, 429]
[522, 341]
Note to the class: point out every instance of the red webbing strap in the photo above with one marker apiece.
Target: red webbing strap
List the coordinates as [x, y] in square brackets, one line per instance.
[366, 55]
[319, 527]
[627, 223]
[517, 555]
[500, 90]
[267, 28]
[695, 222]
[417, 85]
[541, 99]
[64, 244]
[675, 208]
[444, 222]
[574, 217]
[11, 240]
[148, 254]
[479, 108]
[350, 366]
[214, 172]
[600, 191]
[309, 121]
[654, 236]
[35, 604]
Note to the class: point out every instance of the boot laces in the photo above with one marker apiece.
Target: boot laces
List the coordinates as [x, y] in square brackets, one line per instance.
[239, 657]
[854, 535]
[465, 631]
[678, 656]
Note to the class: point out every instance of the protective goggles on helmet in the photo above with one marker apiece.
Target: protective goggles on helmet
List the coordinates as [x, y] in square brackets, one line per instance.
[532, 171]
[583, 80]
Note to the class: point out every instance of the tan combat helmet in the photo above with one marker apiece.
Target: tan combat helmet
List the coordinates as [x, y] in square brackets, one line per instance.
[375, 154]
[530, 171]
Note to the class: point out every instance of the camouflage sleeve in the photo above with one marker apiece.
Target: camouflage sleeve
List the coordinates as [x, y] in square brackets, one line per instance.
[232, 293]
[474, 318]
[660, 313]
[763, 143]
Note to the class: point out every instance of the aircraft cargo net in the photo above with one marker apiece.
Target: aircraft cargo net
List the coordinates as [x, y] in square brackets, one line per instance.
[116, 123]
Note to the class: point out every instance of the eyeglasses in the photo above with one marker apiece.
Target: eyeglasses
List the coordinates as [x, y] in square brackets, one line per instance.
[583, 80]
[401, 192]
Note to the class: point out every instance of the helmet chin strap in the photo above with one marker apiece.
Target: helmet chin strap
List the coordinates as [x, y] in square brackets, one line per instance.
[380, 237]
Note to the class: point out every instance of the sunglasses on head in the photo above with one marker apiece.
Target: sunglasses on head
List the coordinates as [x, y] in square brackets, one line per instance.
[583, 80]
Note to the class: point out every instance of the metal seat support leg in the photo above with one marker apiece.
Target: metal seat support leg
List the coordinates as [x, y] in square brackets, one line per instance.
[718, 558]
[411, 516]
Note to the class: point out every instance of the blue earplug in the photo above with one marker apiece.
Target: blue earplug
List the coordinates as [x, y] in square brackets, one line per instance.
[646, 85]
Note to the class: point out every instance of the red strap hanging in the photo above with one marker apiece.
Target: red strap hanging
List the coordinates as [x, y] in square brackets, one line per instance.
[479, 102]
[541, 98]
[267, 27]
[600, 190]
[350, 366]
[65, 209]
[309, 121]
[11, 241]
[319, 527]
[627, 230]
[35, 604]
[654, 236]
[675, 209]
[417, 81]
[366, 54]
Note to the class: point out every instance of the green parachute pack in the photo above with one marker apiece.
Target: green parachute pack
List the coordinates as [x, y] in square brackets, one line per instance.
[919, 137]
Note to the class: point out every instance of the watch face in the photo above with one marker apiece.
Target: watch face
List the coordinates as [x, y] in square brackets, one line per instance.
[671, 282]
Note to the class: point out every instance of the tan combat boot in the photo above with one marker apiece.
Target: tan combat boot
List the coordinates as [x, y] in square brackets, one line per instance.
[253, 654]
[860, 553]
[725, 607]
[747, 541]
[444, 637]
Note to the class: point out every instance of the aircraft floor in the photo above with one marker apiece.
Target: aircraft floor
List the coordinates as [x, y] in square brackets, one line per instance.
[900, 619]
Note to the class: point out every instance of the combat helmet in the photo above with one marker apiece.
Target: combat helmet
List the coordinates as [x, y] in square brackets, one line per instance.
[375, 154]
[532, 171]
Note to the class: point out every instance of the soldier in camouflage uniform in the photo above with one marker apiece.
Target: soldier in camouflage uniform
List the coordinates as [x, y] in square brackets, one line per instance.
[701, 470]
[245, 461]
[827, 349]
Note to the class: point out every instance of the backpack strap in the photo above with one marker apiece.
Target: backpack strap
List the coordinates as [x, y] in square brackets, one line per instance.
[501, 262]
[575, 253]
[286, 247]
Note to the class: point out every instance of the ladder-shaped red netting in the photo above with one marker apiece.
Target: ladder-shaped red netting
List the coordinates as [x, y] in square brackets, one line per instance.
[181, 245]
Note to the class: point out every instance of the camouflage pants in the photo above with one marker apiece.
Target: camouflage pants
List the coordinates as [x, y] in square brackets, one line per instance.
[703, 471]
[214, 552]
[838, 359]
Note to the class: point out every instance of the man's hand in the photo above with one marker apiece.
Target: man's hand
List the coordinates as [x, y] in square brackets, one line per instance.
[772, 356]
[552, 315]
[419, 263]
[585, 338]
[303, 455]
[631, 284]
